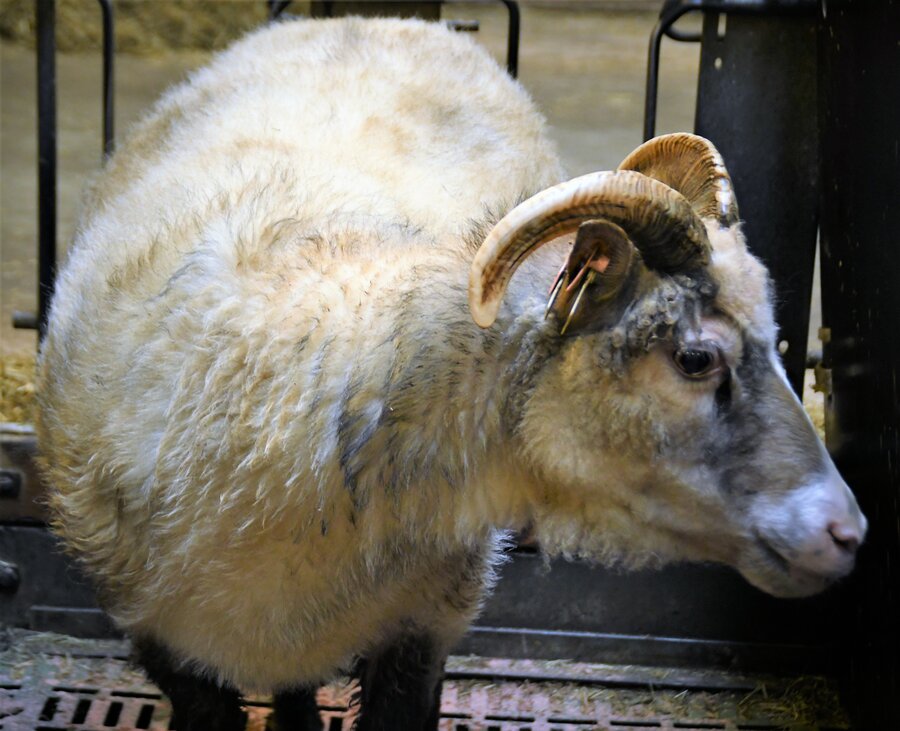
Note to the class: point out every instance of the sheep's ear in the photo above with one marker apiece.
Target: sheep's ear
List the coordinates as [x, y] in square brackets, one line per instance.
[596, 271]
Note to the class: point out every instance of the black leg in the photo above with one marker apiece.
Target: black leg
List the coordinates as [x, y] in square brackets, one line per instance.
[434, 715]
[296, 710]
[198, 704]
[400, 687]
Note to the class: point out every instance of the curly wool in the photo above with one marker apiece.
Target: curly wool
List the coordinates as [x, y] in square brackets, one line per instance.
[669, 309]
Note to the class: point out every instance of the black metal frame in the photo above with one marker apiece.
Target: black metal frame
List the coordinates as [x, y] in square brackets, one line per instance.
[46, 93]
[47, 127]
[859, 122]
[109, 51]
[674, 9]
[47, 158]
[512, 38]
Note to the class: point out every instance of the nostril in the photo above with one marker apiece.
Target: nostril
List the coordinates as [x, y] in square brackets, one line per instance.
[844, 537]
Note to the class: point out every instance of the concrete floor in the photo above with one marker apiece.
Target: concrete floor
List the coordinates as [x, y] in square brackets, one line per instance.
[584, 68]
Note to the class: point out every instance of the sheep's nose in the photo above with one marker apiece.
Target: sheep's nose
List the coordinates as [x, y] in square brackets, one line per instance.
[845, 536]
[832, 551]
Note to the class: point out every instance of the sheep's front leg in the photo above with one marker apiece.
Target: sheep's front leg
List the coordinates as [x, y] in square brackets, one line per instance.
[296, 710]
[400, 687]
[198, 704]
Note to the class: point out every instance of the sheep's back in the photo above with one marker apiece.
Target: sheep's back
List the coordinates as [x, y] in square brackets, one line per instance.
[396, 120]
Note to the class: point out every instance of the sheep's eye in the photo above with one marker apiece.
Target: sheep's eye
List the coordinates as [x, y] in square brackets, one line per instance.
[696, 362]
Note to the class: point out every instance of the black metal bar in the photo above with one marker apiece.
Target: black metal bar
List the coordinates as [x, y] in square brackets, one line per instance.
[859, 122]
[652, 87]
[683, 36]
[24, 320]
[512, 40]
[667, 17]
[109, 50]
[277, 7]
[46, 93]
[756, 100]
[671, 31]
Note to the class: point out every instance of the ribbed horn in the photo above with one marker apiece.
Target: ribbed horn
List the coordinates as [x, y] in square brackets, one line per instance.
[693, 166]
[659, 220]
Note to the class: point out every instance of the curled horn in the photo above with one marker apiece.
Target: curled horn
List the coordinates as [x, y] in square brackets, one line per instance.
[660, 222]
[693, 166]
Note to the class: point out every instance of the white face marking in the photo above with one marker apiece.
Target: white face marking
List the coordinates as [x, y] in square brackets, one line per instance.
[811, 526]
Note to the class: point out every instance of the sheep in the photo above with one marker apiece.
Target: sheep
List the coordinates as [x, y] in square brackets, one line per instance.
[293, 400]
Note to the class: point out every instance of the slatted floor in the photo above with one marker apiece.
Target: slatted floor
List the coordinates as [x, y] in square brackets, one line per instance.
[54, 683]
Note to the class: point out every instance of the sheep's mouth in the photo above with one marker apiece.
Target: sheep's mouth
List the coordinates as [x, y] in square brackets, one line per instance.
[772, 555]
[781, 577]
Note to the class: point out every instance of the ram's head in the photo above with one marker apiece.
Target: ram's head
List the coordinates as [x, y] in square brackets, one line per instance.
[665, 418]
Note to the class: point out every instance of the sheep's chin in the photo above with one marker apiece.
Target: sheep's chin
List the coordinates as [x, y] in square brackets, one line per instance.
[768, 572]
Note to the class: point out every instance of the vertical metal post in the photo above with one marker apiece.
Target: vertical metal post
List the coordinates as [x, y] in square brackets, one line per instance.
[652, 88]
[46, 95]
[109, 49]
[512, 40]
[756, 100]
[672, 10]
[277, 7]
[859, 121]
